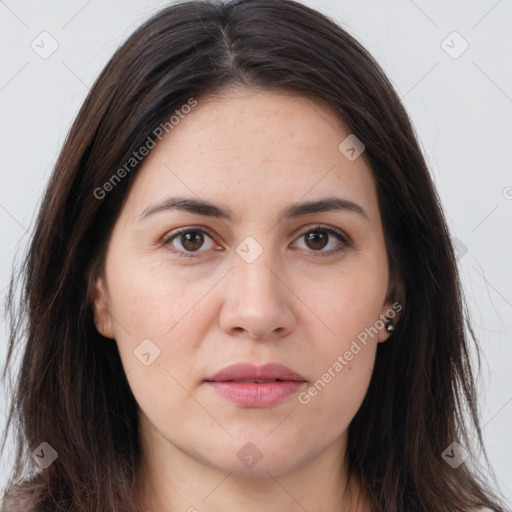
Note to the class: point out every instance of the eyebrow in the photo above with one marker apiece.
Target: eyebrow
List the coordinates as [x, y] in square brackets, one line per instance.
[208, 209]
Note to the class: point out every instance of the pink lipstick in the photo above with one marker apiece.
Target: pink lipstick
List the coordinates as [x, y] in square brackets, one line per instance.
[256, 386]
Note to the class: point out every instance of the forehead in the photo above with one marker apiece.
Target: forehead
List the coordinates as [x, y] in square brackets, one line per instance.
[254, 149]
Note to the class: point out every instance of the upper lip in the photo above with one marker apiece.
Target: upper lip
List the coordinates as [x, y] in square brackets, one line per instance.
[248, 371]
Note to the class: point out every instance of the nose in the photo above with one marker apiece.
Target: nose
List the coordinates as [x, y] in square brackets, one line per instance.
[257, 301]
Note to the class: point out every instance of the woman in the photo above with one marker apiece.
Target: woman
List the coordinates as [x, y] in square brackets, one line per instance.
[241, 291]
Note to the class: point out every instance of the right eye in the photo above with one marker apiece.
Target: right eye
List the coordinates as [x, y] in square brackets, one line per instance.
[190, 239]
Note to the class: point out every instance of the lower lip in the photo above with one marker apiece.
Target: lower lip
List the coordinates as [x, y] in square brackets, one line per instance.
[253, 394]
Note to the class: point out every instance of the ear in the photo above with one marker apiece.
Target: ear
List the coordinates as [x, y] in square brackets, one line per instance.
[101, 309]
[391, 310]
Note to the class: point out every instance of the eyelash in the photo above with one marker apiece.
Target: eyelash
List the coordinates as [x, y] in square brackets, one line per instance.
[167, 242]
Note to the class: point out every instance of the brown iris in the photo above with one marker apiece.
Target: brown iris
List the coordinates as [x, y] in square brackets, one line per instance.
[318, 239]
[192, 240]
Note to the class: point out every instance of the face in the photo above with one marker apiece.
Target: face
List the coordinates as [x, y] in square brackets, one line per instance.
[286, 264]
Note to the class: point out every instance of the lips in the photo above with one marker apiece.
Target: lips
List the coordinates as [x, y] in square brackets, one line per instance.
[252, 386]
[246, 372]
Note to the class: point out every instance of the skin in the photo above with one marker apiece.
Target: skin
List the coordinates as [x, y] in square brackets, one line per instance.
[254, 152]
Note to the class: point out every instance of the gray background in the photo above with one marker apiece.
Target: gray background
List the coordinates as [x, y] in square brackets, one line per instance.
[461, 106]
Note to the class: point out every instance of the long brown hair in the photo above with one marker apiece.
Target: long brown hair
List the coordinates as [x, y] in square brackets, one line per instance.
[71, 391]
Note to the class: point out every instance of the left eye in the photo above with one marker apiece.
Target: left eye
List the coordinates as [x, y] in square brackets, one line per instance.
[320, 237]
[192, 240]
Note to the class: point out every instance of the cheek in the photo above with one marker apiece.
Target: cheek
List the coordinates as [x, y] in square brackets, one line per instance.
[166, 315]
[349, 301]
[335, 397]
[155, 299]
[349, 305]
[159, 347]
[342, 371]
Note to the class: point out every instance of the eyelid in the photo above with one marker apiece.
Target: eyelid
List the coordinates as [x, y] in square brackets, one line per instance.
[325, 227]
[343, 238]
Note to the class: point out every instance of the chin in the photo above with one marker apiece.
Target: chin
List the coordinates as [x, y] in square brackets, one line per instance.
[262, 469]
[258, 459]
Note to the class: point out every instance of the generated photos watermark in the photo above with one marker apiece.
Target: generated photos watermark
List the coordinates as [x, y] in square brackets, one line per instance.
[150, 143]
[343, 360]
